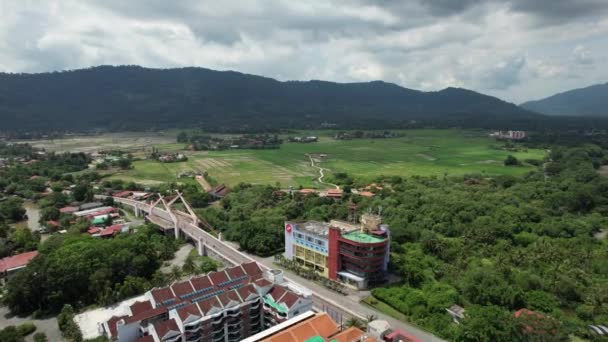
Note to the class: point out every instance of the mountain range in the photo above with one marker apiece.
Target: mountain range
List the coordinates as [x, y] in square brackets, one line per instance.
[136, 98]
[132, 97]
[589, 101]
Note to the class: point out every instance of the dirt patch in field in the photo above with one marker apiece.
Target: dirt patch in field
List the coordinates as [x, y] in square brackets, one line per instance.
[426, 156]
[603, 171]
[489, 161]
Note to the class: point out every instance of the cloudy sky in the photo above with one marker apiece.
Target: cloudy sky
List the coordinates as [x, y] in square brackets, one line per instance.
[514, 49]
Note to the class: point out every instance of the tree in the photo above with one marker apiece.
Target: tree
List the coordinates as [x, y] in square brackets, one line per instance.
[511, 161]
[83, 192]
[182, 137]
[189, 266]
[487, 323]
[355, 322]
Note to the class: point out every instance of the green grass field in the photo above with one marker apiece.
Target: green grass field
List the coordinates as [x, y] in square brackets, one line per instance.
[417, 152]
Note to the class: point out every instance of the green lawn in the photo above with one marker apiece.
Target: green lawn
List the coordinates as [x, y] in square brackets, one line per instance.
[418, 152]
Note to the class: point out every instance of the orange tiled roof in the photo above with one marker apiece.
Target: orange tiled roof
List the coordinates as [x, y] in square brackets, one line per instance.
[319, 325]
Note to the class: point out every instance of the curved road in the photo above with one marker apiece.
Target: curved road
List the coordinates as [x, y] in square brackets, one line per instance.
[321, 174]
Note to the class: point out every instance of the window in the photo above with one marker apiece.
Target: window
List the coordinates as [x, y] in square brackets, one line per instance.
[309, 239]
[319, 242]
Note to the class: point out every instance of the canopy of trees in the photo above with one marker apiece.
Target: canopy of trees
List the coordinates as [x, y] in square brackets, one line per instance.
[80, 270]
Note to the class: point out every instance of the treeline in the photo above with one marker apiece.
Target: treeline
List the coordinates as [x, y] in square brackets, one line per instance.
[203, 142]
[79, 270]
[491, 245]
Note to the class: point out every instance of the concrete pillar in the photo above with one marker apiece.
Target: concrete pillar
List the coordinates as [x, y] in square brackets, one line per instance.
[176, 230]
[200, 247]
[220, 236]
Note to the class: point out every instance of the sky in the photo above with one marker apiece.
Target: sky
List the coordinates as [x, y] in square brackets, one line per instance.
[517, 50]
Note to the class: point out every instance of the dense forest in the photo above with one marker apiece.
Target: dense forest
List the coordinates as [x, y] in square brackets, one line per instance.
[131, 97]
[490, 245]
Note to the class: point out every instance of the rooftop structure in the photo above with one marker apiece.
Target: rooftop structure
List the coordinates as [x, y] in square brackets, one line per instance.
[11, 264]
[228, 305]
[356, 254]
[310, 327]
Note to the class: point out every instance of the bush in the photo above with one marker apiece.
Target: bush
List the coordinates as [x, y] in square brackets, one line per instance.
[26, 329]
[40, 337]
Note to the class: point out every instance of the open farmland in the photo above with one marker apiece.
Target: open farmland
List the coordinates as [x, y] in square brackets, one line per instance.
[417, 152]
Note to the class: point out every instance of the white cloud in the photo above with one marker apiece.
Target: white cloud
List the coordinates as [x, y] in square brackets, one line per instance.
[510, 48]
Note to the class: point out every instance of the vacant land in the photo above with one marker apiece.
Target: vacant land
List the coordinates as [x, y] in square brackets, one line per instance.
[417, 152]
[128, 141]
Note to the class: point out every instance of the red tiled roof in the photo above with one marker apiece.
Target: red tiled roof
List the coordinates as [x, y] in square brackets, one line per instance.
[164, 327]
[200, 283]
[218, 277]
[367, 194]
[252, 269]
[54, 224]
[112, 325]
[162, 294]
[111, 230]
[147, 338]
[68, 210]
[101, 212]
[146, 315]
[289, 299]
[16, 261]
[235, 272]
[277, 292]
[307, 191]
[189, 310]
[246, 291]
[224, 299]
[93, 230]
[206, 305]
[123, 194]
[139, 307]
[263, 282]
[182, 289]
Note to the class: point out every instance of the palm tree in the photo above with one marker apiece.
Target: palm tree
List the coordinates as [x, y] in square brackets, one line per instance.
[176, 273]
[354, 322]
[189, 266]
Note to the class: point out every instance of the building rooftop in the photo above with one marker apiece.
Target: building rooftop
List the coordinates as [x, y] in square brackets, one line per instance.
[313, 227]
[362, 237]
[315, 328]
[16, 261]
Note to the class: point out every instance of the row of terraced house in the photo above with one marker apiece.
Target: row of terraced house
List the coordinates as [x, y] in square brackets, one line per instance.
[228, 305]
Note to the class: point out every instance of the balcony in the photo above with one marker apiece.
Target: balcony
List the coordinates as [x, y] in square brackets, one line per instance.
[193, 328]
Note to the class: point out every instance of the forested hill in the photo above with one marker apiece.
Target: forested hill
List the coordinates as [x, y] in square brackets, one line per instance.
[589, 101]
[131, 97]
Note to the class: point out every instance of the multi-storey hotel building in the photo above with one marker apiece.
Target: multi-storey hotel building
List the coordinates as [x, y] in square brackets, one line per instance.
[356, 254]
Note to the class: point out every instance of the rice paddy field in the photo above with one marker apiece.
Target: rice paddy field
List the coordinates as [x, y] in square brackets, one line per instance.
[416, 152]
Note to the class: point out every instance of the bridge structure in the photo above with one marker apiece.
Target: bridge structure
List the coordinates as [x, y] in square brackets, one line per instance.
[187, 225]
